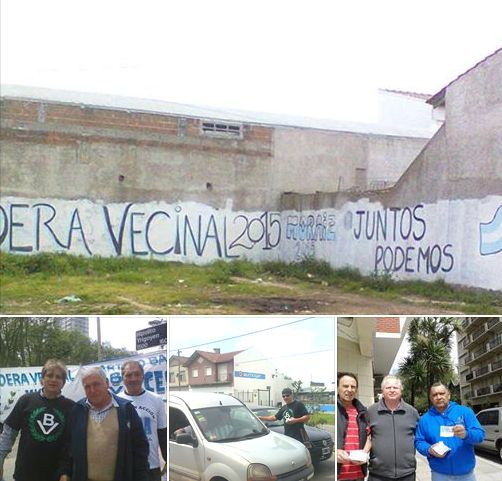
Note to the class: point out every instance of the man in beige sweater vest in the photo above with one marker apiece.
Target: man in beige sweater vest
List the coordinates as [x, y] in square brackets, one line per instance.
[107, 439]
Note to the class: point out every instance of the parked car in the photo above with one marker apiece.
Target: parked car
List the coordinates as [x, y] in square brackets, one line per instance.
[322, 442]
[224, 440]
[491, 420]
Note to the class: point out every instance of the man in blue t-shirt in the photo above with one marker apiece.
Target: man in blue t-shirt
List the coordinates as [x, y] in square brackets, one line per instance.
[446, 435]
[294, 413]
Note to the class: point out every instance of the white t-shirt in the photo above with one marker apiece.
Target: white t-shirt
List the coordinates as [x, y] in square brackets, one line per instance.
[152, 411]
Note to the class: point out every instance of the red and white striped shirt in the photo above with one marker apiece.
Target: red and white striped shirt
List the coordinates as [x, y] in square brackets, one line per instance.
[349, 470]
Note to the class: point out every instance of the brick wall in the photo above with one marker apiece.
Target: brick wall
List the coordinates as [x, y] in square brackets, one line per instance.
[105, 118]
[388, 324]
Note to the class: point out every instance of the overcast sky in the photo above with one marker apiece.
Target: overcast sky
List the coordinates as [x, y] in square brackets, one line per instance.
[120, 331]
[303, 350]
[318, 58]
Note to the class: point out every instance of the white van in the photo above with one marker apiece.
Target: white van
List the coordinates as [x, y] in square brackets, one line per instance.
[216, 437]
[491, 421]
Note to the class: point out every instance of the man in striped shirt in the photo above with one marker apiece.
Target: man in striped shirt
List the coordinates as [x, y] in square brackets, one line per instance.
[352, 430]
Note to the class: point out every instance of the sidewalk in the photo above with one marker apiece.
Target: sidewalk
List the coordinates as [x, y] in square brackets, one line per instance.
[485, 470]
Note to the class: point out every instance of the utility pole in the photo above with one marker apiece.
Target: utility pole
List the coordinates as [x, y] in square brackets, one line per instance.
[179, 370]
[98, 324]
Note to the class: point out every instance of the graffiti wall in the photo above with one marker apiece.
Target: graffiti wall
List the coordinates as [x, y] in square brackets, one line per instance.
[459, 241]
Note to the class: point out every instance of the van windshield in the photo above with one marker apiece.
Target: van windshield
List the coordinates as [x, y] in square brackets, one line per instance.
[228, 423]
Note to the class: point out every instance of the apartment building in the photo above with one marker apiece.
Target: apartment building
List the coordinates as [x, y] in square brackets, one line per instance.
[480, 362]
[80, 324]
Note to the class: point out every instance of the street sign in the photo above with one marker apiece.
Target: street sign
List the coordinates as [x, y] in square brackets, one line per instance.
[151, 337]
[249, 375]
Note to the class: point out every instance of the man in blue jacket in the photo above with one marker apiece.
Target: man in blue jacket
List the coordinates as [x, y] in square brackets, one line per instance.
[107, 438]
[446, 434]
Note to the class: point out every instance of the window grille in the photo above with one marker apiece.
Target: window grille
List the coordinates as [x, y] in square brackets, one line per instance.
[221, 128]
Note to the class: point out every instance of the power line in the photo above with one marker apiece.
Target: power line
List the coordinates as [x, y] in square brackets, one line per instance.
[287, 355]
[243, 335]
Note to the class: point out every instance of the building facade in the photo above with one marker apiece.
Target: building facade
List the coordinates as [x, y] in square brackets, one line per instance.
[79, 324]
[246, 374]
[368, 347]
[480, 362]
[120, 177]
[178, 373]
[55, 144]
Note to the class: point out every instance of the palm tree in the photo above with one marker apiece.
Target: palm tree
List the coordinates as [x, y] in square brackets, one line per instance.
[429, 360]
[413, 373]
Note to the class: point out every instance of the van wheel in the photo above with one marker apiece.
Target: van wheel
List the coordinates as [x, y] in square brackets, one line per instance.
[500, 451]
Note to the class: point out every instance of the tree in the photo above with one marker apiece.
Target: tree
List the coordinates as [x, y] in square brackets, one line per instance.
[428, 360]
[30, 341]
[297, 387]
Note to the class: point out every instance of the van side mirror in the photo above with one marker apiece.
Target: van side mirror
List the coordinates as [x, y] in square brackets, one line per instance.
[185, 438]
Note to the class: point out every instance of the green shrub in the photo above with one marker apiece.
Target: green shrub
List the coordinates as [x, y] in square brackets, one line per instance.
[317, 418]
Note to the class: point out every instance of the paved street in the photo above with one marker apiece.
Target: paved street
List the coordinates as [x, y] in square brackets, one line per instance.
[326, 469]
[487, 468]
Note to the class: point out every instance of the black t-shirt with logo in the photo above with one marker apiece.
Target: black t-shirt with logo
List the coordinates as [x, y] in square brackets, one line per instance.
[44, 435]
[296, 409]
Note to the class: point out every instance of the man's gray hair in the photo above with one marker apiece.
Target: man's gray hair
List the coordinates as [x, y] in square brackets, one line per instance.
[89, 371]
[391, 378]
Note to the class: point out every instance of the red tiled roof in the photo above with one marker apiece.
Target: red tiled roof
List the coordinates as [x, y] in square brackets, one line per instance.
[181, 359]
[212, 356]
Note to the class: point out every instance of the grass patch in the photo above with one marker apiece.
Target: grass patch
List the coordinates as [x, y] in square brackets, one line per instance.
[36, 283]
[318, 418]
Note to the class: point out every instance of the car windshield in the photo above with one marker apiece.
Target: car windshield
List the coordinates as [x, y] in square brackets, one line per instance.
[266, 411]
[228, 423]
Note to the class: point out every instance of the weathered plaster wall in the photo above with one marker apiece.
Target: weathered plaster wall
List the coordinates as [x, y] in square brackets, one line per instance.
[72, 152]
[314, 160]
[459, 241]
[163, 190]
[79, 151]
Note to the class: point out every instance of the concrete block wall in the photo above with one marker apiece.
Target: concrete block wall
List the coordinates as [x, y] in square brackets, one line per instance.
[77, 152]
[81, 180]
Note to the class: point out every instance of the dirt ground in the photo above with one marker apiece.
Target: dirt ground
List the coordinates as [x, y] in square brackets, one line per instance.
[240, 296]
[333, 301]
[324, 300]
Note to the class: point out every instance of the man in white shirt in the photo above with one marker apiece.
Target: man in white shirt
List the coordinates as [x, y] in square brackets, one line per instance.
[152, 411]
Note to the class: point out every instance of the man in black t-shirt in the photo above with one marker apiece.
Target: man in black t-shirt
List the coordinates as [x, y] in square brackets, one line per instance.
[42, 418]
[294, 413]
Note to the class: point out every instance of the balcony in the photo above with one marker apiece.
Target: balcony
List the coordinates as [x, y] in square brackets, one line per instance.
[495, 343]
[225, 378]
[483, 391]
[477, 333]
[496, 365]
[479, 352]
[470, 324]
[481, 371]
[493, 323]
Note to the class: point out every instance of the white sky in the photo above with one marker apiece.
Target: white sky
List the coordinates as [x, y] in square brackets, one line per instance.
[319, 58]
[287, 347]
[404, 350]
